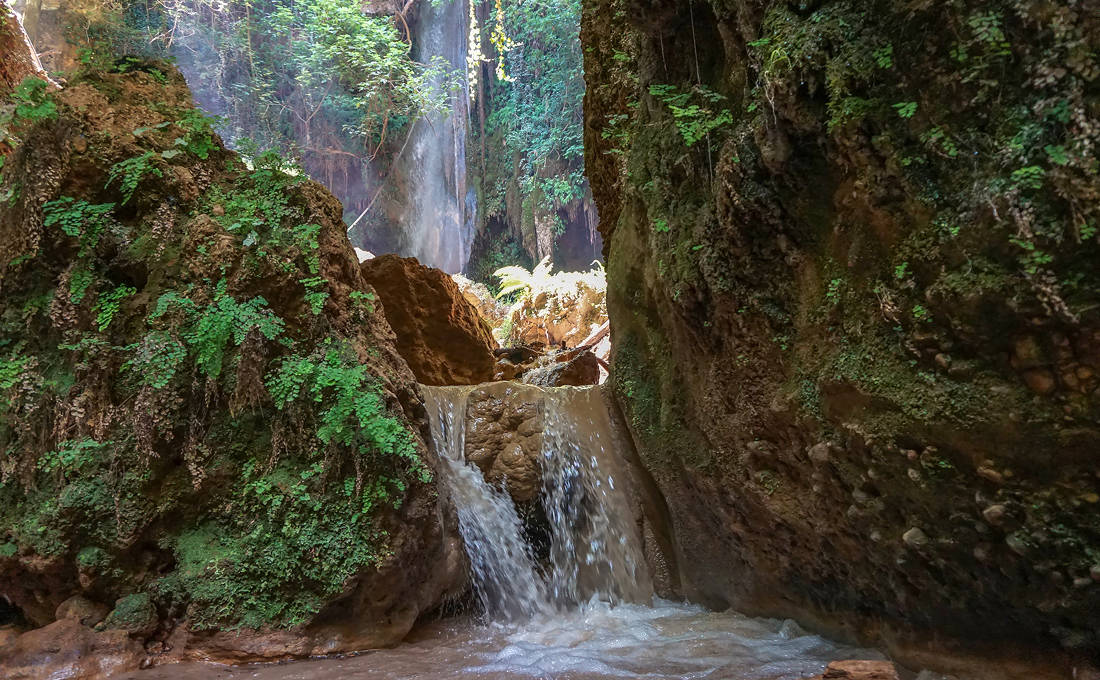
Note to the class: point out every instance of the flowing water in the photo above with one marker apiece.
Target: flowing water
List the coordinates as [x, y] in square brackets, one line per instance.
[439, 229]
[585, 612]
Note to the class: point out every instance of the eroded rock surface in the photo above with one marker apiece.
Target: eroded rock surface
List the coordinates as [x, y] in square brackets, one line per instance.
[440, 335]
[839, 345]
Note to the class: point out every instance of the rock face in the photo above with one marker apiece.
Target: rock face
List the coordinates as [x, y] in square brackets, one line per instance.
[439, 334]
[504, 438]
[205, 421]
[67, 649]
[854, 305]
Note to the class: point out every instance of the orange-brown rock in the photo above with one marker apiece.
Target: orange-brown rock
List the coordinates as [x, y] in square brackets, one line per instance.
[860, 670]
[439, 334]
[570, 368]
[66, 649]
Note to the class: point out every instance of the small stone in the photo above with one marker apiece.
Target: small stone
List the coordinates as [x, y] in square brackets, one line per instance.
[910, 454]
[1040, 381]
[1094, 573]
[819, 453]
[915, 538]
[994, 514]
[943, 361]
[991, 475]
[914, 474]
[1016, 544]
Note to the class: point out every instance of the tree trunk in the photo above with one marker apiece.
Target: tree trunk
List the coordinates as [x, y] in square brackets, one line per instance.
[17, 57]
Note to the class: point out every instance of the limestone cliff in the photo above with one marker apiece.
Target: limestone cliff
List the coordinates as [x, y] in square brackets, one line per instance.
[853, 291]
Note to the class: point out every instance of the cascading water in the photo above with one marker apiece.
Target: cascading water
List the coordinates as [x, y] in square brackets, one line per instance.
[594, 552]
[439, 227]
[504, 571]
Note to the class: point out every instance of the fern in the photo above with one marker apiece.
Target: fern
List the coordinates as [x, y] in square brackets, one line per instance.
[130, 172]
[79, 219]
[108, 304]
[227, 320]
[32, 101]
[156, 359]
[352, 410]
[517, 279]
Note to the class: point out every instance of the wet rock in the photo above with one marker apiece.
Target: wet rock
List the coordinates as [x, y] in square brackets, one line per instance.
[581, 368]
[915, 538]
[1027, 353]
[439, 334]
[1017, 544]
[991, 475]
[82, 609]
[504, 439]
[66, 649]
[860, 670]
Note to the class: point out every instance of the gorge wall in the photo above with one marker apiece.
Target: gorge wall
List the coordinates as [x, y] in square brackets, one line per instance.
[852, 287]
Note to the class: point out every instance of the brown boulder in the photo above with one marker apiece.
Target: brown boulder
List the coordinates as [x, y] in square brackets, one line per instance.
[439, 334]
[66, 649]
[504, 438]
[576, 368]
[82, 609]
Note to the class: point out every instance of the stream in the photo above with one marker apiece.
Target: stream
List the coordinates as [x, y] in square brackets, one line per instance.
[587, 610]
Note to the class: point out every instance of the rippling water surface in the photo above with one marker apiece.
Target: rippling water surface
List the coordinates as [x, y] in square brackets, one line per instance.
[666, 640]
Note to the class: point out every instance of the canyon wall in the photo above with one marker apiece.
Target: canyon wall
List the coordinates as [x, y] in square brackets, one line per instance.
[852, 287]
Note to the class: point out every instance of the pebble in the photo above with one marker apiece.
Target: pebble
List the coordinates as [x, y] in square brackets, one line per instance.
[915, 538]
[914, 475]
[991, 475]
[994, 514]
[819, 453]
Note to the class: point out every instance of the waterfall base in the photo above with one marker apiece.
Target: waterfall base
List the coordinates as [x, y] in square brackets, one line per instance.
[595, 641]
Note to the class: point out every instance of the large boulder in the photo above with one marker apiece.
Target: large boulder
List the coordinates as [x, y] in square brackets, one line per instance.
[439, 334]
[67, 649]
[204, 419]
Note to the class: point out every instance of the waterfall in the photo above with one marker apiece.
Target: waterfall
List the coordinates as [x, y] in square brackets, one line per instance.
[440, 223]
[595, 551]
[504, 571]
